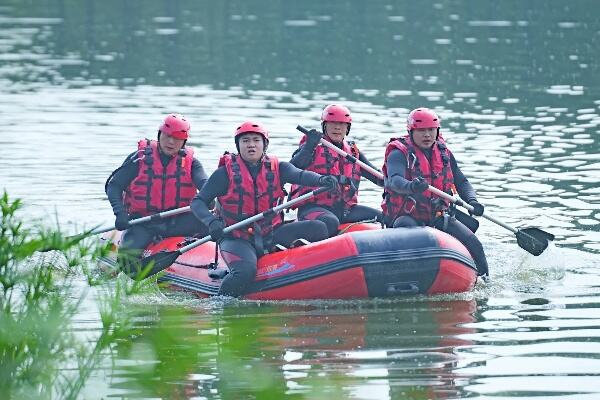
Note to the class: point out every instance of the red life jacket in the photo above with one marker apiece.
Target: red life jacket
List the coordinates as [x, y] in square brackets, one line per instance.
[328, 162]
[247, 196]
[423, 207]
[157, 188]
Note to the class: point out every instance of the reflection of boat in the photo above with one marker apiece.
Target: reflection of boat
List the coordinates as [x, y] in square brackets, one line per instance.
[343, 327]
[364, 261]
[411, 349]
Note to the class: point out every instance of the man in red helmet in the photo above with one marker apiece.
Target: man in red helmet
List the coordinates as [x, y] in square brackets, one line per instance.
[246, 184]
[414, 162]
[160, 175]
[338, 207]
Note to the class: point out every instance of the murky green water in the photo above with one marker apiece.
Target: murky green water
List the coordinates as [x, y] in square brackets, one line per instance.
[517, 85]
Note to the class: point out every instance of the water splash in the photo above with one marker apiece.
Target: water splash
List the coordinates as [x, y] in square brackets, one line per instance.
[549, 266]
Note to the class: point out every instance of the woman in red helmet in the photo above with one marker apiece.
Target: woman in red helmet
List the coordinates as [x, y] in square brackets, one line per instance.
[160, 175]
[414, 162]
[341, 206]
[246, 184]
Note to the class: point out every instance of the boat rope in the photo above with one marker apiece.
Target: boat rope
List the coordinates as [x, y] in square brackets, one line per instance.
[367, 221]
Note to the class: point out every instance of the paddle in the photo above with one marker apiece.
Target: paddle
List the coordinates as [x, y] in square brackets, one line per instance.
[164, 259]
[137, 221]
[533, 240]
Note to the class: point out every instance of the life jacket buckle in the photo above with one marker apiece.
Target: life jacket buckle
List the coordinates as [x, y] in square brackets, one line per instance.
[413, 205]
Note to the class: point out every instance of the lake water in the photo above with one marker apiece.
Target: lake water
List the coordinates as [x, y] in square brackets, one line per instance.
[517, 85]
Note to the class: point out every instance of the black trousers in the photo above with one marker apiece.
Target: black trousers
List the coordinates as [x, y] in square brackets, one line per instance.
[241, 258]
[459, 231]
[333, 218]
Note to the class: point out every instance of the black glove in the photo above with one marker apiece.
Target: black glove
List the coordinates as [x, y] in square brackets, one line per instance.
[215, 229]
[477, 208]
[313, 137]
[122, 221]
[418, 185]
[329, 181]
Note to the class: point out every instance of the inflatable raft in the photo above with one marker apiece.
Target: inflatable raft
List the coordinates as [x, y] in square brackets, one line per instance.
[363, 262]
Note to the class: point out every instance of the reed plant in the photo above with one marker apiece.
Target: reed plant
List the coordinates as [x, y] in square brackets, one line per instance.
[45, 277]
[148, 349]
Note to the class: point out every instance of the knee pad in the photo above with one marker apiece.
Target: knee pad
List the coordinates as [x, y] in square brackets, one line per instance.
[318, 231]
[404, 222]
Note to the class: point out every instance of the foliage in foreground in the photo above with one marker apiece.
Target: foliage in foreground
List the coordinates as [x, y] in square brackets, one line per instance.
[44, 280]
[146, 350]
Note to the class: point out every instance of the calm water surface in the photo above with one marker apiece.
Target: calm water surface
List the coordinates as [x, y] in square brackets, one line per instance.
[516, 84]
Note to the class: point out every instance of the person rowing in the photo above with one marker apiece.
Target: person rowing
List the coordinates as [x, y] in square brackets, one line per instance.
[416, 161]
[160, 175]
[333, 208]
[248, 183]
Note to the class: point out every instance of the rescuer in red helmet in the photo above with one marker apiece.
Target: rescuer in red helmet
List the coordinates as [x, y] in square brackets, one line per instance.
[340, 206]
[245, 184]
[160, 175]
[414, 162]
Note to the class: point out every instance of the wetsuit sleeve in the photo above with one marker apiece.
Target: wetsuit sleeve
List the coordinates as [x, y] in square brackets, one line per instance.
[366, 174]
[303, 156]
[290, 174]
[198, 174]
[216, 186]
[119, 181]
[463, 186]
[396, 167]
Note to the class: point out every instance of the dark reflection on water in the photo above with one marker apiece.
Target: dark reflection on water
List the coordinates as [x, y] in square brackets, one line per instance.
[433, 348]
[516, 84]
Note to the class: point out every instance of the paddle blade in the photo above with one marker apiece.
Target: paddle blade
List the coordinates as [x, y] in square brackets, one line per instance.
[533, 240]
[466, 220]
[153, 264]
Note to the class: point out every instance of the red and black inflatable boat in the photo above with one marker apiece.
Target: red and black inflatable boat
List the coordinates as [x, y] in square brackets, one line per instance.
[364, 261]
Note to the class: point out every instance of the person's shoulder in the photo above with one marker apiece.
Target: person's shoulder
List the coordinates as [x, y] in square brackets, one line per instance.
[131, 158]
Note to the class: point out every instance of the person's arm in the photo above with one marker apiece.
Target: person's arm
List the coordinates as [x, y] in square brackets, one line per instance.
[366, 174]
[303, 156]
[463, 186]
[216, 186]
[290, 174]
[199, 176]
[120, 179]
[396, 169]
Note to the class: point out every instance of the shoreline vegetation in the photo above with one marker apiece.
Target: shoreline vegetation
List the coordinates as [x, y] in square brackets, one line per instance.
[41, 355]
[133, 347]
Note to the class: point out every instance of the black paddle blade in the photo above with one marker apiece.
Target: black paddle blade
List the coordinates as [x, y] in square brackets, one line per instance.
[466, 220]
[152, 265]
[533, 240]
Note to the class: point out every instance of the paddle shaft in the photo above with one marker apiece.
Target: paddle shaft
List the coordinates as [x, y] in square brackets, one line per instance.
[154, 217]
[469, 207]
[255, 218]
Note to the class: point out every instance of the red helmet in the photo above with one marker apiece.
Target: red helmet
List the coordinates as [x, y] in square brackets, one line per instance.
[175, 125]
[422, 118]
[335, 113]
[251, 127]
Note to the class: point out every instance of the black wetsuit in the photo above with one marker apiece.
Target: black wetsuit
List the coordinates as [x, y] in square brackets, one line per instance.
[137, 237]
[303, 157]
[396, 181]
[240, 254]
